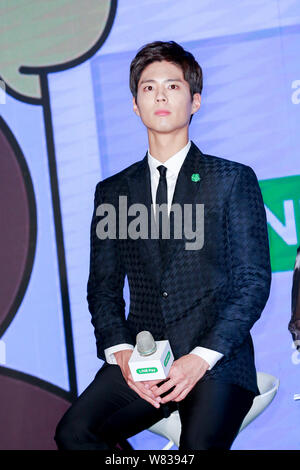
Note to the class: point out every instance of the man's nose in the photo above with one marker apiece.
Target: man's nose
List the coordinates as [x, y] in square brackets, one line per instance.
[160, 95]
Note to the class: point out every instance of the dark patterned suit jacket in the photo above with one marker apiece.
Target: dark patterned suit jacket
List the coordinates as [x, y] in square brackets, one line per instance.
[209, 297]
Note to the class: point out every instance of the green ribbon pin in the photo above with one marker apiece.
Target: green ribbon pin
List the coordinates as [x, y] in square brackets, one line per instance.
[195, 177]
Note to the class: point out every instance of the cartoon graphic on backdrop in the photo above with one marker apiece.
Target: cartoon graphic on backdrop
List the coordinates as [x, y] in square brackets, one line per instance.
[62, 45]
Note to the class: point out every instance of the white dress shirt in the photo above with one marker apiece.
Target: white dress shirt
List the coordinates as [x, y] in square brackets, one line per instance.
[173, 165]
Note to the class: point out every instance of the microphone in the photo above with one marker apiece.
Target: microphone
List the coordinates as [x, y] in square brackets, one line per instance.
[150, 359]
[145, 343]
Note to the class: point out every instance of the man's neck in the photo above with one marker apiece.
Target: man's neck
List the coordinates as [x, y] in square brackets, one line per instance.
[163, 147]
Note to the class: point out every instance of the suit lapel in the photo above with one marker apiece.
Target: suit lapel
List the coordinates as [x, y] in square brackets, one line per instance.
[186, 191]
[139, 184]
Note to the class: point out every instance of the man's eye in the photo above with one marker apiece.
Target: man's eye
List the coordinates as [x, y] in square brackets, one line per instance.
[149, 87]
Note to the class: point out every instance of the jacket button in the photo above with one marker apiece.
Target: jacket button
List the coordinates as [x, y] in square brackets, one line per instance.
[165, 294]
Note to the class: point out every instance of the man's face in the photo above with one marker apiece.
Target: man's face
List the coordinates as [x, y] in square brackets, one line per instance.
[163, 87]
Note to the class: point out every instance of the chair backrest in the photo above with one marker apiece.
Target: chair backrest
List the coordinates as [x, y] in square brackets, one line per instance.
[268, 386]
[170, 427]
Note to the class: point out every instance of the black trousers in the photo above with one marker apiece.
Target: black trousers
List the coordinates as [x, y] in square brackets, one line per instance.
[109, 411]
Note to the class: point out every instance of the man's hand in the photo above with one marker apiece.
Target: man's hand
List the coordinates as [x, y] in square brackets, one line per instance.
[122, 358]
[184, 374]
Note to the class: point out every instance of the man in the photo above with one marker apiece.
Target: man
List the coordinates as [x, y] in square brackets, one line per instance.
[204, 301]
[294, 323]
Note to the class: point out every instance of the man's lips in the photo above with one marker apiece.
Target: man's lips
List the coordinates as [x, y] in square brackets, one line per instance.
[162, 112]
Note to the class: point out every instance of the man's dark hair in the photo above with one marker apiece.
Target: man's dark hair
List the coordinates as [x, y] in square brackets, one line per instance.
[172, 52]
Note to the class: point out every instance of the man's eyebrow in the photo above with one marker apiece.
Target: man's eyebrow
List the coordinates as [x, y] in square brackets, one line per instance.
[150, 80]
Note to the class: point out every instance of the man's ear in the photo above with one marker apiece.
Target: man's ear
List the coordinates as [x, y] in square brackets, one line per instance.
[135, 107]
[196, 102]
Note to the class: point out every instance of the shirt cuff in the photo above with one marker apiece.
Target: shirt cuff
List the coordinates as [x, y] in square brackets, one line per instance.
[109, 352]
[209, 355]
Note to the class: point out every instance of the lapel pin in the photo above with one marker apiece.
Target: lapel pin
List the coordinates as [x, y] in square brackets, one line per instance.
[195, 177]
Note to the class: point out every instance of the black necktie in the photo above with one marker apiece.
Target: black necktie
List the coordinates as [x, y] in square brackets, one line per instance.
[161, 198]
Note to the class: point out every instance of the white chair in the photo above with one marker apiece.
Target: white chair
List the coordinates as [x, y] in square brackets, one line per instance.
[170, 427]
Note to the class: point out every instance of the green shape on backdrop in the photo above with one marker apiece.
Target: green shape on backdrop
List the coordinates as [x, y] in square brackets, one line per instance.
[282, 198]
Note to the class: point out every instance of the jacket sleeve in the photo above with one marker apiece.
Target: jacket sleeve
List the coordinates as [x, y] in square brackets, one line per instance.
[105, 288]
[249, 258]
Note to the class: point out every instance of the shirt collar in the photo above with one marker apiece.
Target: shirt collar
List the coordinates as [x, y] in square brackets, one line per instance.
[173, 164]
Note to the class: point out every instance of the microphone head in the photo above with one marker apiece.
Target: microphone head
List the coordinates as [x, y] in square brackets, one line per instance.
[145, 343]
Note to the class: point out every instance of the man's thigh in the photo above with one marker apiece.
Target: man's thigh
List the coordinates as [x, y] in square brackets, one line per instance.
[136, 416]
[211, 415]
[108, 410]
